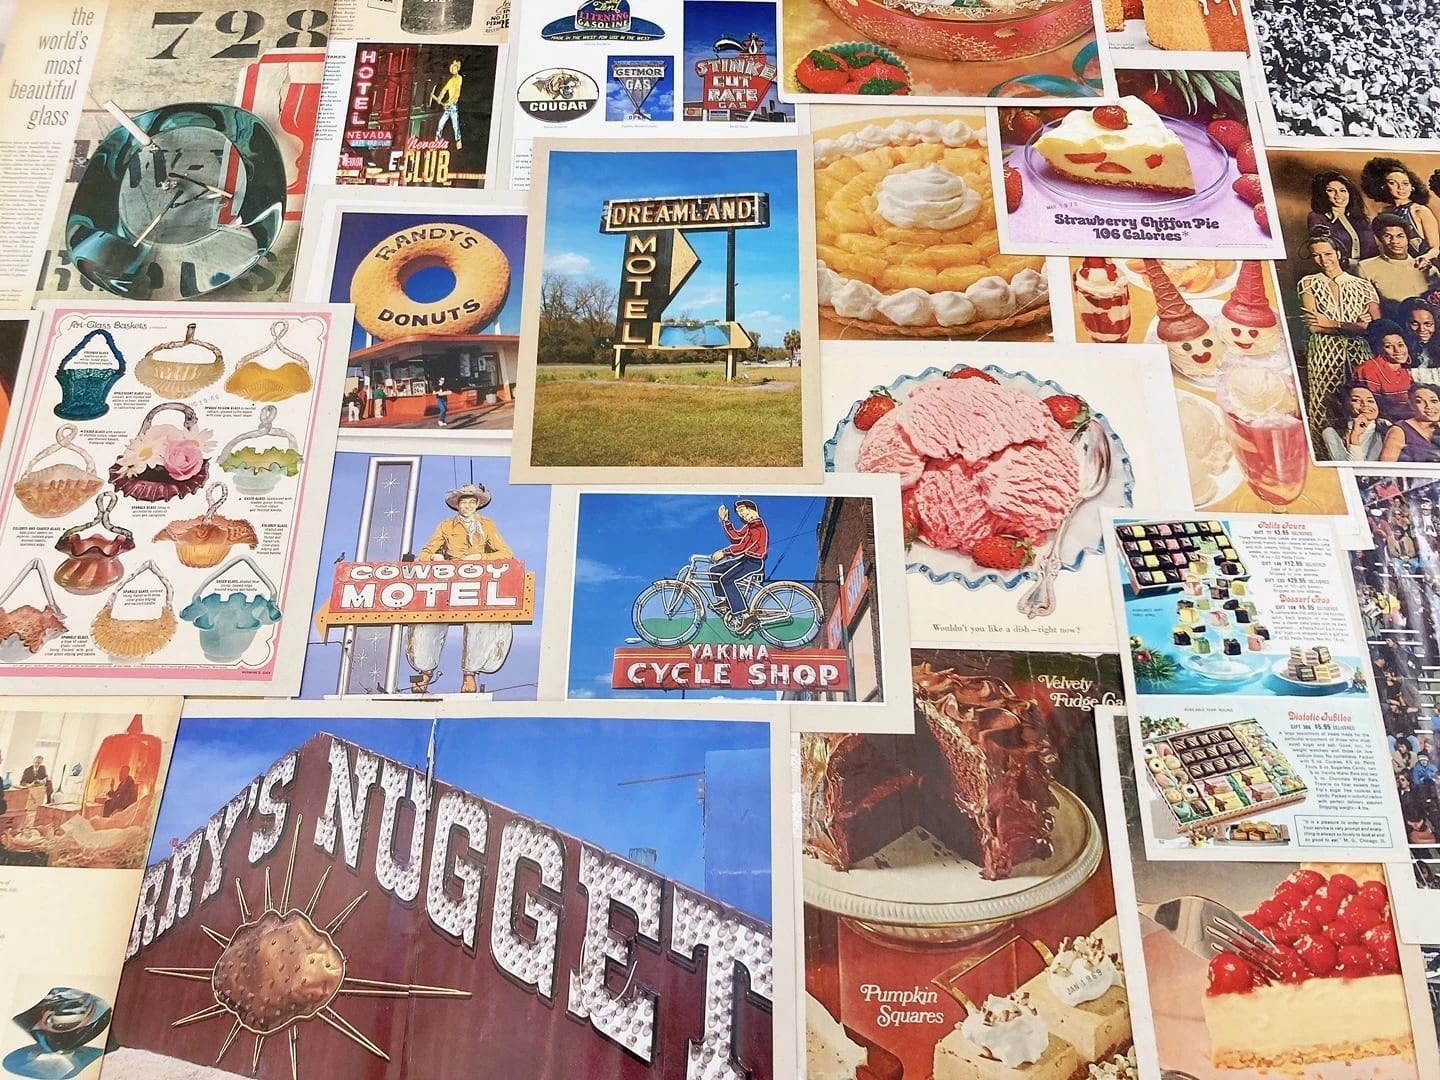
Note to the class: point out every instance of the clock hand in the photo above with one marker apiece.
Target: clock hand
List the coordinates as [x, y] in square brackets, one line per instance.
[134, 130]
[156, 219]
[211, 191]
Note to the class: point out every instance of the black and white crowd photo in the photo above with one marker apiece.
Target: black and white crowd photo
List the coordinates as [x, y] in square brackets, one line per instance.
[1352, 68]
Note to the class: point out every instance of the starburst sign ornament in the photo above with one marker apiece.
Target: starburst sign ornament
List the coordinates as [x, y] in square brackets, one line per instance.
[280, 970]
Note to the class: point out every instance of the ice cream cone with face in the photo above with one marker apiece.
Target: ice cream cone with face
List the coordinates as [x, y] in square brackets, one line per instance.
[1195, 348]
[1248, 324]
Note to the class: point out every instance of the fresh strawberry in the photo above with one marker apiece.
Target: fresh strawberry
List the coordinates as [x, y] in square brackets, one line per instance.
[1003, 553]
[1318, 952]
[1068, 410]
[1021, 124]
[873, 407]
[1353, 961]
[1262, 217]
[1231, 975]
[821, 72]
[971, 373]
[1014, 189]
[1112, 117]
[1309, 880]
[1249, 189]
[910, 515]
[1231, 134]
[1379, 942]
[1245, 157]
[1374, 894]
[1344, 883]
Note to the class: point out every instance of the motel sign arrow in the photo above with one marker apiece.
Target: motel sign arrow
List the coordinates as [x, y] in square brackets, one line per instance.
[657, 264]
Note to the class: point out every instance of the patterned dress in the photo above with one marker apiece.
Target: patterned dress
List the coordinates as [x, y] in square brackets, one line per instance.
[1330, 359]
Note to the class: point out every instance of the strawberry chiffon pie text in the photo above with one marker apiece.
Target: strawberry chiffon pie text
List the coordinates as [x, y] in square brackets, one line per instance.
[985, 469]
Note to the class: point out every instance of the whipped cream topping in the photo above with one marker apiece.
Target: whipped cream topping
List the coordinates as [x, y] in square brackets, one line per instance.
[830, 1054]
[1253, 392]
[1144, 128]
[927, 198]
[989, 298]
[1082, 970]
[1008, 1029]
[952, 133]
[1098, 282]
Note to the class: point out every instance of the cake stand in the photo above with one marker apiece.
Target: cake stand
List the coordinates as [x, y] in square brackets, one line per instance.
[915, 891]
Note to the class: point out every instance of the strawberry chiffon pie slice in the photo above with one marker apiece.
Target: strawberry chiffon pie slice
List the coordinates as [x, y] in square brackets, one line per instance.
[1123, 145]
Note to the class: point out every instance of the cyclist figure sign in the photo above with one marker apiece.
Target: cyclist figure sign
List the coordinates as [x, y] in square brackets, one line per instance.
[710, 595]
[749, 544]
[731, 583]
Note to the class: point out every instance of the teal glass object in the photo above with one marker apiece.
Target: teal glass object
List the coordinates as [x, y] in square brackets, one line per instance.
[187, 209]
[83, 391]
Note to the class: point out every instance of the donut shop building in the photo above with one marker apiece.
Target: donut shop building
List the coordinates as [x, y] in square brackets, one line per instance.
[475, 367]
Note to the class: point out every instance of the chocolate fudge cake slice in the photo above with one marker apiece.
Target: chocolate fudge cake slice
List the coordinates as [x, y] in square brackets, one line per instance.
[976, 775]
[999, 761]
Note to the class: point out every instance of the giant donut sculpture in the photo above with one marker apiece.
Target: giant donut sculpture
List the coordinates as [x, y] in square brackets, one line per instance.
[482, 281]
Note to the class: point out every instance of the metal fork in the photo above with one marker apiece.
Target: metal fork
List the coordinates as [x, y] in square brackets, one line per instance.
[1206, 927]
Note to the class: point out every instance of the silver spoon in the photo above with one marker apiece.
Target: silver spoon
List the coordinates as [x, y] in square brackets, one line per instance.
[1093, 445]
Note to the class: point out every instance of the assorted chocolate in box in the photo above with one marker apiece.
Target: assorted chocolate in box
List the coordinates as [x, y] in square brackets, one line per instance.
[1217, 773]
[1161, 555]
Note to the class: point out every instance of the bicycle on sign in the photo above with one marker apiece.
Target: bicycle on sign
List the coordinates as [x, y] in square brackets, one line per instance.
[786, 614]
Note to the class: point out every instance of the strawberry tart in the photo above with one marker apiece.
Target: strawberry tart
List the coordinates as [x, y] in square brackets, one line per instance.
[985, 469]
[1339, 996]
[1121, 145]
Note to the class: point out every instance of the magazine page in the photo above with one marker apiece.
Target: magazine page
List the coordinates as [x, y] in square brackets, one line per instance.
[122, 90]
[80, 784]
[687, 391]
[691, 69]
[436, 279]
[1260, 967]
[1395, 584]
[795, 597]
[435, 584]
[956, 882]
[1005, 462]
[169, 470]
[421, 21]
[1251, 699]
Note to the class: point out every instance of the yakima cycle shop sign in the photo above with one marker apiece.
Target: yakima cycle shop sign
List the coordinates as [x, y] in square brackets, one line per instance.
[351, 906]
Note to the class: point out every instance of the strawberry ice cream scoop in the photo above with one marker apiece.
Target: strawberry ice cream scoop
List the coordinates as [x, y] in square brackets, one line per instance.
[971, 418]
[978, 459]
[1032, 486]
[887, 449]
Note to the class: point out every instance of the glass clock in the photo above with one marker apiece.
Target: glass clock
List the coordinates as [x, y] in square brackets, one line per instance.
[178, 202]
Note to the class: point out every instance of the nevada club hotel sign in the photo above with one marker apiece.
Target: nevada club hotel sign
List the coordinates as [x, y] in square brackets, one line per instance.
[340, 917]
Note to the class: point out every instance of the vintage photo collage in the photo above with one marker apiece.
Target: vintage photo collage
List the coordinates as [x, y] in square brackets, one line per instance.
[637, 539]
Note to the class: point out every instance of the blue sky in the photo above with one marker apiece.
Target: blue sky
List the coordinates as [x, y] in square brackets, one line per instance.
[563, 772]
[616, 559]
[660, 105]
[360, 232]
[521, 513]
[767, 273]
[707, 21]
